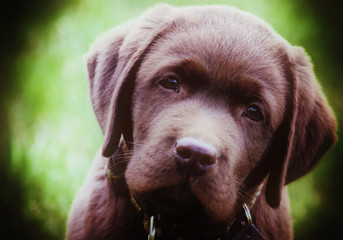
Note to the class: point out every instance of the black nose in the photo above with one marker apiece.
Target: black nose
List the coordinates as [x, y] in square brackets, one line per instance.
[193, 156]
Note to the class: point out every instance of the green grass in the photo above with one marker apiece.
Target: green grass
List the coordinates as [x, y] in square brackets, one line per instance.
[54, 131]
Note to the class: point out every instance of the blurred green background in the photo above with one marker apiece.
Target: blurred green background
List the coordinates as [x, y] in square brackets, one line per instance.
[49, 134]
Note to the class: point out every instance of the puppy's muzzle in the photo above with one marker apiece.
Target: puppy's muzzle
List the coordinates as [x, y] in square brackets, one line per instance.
[194, 157]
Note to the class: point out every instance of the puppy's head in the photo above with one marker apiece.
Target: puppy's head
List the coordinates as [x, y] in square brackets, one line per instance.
[214, 102]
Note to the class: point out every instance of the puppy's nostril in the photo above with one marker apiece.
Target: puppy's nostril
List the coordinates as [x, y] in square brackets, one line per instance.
[184, 152]
[194, 156]
[208, 160]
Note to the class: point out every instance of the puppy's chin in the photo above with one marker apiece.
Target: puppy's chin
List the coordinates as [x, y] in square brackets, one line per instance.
[177, 205]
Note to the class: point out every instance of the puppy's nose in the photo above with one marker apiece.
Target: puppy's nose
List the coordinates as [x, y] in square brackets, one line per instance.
[194, 156]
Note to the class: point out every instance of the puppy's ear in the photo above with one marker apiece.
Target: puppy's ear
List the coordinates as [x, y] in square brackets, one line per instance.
[308, 130]
[113, 62]
[102, 61]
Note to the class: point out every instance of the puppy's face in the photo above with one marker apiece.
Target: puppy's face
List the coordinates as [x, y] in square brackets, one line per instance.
[215, 103]
[210, 89]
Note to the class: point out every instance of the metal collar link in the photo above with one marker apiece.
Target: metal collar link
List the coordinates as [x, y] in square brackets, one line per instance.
[243, 228]
[152, 232]
[247, 215]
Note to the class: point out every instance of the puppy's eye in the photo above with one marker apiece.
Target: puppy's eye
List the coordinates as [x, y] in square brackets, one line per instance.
[171, 83]
[254, 113]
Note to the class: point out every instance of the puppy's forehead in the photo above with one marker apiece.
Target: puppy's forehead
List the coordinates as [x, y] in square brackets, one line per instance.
[222, 44]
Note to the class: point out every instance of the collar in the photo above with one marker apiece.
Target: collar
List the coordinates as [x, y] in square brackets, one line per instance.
[158, 228]
[240, 229]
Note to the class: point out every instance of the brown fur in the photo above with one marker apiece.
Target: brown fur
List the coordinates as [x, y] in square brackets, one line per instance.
[226, 60]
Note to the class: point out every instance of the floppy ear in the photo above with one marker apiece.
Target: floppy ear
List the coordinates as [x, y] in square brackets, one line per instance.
[102, 60]
[113, 62]
[307, 132]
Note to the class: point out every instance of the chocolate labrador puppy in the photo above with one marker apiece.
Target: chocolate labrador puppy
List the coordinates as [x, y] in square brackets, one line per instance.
[207, 115]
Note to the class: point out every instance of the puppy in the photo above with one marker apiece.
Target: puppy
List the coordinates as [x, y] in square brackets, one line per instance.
[207, 115]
